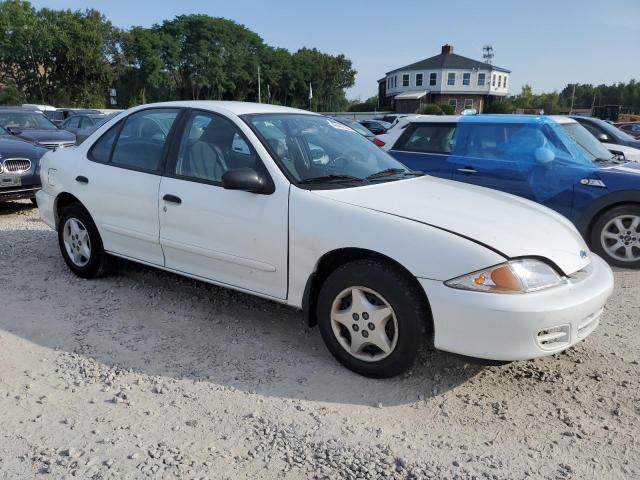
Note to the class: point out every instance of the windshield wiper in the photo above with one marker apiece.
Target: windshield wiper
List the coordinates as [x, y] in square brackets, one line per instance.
[331, 178]
[392, 171]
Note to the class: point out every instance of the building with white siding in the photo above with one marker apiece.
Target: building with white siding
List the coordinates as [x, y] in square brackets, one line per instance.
[447, 78]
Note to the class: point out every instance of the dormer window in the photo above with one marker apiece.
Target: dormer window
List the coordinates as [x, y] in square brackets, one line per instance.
[481, 79]
[466, 79]
[451, 78]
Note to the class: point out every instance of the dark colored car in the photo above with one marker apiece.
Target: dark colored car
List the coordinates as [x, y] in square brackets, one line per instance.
[377, 127]
[78, 122]
[35, 127]
[356, 126]
[630, 128]
[19, 168]
[606, 132]
[84, 133]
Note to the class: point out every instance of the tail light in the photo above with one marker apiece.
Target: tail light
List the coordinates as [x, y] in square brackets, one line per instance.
[378, 142]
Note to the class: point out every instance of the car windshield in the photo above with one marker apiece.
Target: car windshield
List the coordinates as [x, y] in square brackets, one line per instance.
[594, 150]
[320, 150]
[26, 121]
[613, 131]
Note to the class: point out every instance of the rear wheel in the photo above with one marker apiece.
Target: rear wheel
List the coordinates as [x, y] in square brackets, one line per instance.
[371, 317]
[616, 236]
[80, 242]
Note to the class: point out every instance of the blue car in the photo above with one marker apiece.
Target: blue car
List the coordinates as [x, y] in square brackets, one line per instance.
[550, 160]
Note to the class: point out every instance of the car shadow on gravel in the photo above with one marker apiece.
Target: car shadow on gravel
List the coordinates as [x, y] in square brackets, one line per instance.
[170, 327]
[15, 207]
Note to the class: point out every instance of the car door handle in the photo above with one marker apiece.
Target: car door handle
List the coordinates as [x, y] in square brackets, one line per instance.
[82, 179]
[467, 170]
[172, 199]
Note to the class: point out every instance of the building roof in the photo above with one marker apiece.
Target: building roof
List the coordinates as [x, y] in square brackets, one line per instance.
[448, 59]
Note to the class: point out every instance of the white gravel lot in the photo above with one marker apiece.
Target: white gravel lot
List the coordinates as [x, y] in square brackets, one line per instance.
[147, 374]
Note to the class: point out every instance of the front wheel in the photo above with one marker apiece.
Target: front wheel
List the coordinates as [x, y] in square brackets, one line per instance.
[371, 317]
[616, 236]
[80, 242]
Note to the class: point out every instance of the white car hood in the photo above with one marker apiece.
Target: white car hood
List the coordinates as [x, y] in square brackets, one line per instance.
[511, 225]
[630, 154]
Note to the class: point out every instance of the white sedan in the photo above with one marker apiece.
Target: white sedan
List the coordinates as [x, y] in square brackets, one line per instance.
[300, 209]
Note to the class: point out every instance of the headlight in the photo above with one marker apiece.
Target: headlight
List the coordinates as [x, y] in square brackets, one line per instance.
[516, 276]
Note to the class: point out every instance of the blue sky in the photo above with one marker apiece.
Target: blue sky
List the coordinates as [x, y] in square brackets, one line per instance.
[546, 43]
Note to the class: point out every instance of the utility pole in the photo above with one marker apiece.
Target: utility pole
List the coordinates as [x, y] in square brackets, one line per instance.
[259, 92]
[573, 96]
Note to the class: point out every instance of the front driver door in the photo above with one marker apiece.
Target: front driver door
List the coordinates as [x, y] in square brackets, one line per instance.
[231, 237]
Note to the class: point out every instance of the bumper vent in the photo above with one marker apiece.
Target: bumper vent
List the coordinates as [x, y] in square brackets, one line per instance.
[554, 337]
[17, 165]
[589, 324]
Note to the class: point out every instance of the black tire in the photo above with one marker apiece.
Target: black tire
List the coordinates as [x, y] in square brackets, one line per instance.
[34, 201]
[98, 259]
[633, 238]
[407, 301]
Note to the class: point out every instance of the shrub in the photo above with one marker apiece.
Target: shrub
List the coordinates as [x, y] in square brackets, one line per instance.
[498, 107]
[430, 109]
[447, 109]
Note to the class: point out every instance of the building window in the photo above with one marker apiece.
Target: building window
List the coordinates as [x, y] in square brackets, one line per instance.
[466, 79]
[395, 81]
[499, 81]
[493, 80]
[453, 103]
[505, 82]
[433, 79]
[451, 79]
[468, 103]
[481, 79]
[388, 84]
[418, 79]
[405, 80]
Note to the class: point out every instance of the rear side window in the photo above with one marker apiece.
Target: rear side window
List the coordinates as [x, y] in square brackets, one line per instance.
[142, 139]
[428, 138]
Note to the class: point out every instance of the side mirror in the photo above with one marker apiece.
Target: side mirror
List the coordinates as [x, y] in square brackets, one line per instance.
[247, 180]
[603, 137]
[544, 155]
[14, 130]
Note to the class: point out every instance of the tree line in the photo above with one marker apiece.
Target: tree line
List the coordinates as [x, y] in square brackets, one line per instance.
[74, 58]
[578, 96]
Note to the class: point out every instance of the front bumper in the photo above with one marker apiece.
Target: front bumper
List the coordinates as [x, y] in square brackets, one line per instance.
[18, 193]
[46, 208]
[519, 326]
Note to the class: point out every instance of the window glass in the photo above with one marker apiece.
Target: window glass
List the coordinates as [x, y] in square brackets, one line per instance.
[504, 84]
[493, 80]
[429, 138]
[26, 120]
[453, 102]
[142, 139]
[481, 79]
[405, 80]
[315, 147]
[101, 150]
[212, 145]
[73, 122]
[433, 78]
[468, 103]
[418, 79]
[466, 79]
[451, 79]
[499, 81]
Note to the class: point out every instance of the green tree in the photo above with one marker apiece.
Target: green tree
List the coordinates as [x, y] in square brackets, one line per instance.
[431, 109]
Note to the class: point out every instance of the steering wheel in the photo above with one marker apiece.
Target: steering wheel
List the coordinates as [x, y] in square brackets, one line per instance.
[343, 159]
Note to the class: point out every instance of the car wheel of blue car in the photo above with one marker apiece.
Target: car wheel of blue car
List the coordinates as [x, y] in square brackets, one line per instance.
[616, 236]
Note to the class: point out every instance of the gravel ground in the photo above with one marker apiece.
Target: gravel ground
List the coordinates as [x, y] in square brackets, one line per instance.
[147, 374]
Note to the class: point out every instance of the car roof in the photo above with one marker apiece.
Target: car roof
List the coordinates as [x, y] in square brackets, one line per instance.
[498, 118]
[237, 108]
[20, 110]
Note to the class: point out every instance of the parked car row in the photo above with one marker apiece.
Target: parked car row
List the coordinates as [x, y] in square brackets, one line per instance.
[303, 210]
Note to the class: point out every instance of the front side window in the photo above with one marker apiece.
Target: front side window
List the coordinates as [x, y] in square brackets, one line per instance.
[101, 150]
[466, 79]
[25, 121]
[212, 145]
[418, 79]
[312, 149]
[481, 79]
[142, 139]
[405, 80]
[73, 122]
[451, 79]
[428, 138]
[433, 78]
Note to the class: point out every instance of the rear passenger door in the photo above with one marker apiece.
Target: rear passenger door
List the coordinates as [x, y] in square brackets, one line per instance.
[425, 147]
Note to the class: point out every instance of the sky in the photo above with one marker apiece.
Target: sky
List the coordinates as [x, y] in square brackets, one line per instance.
[546, 43]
